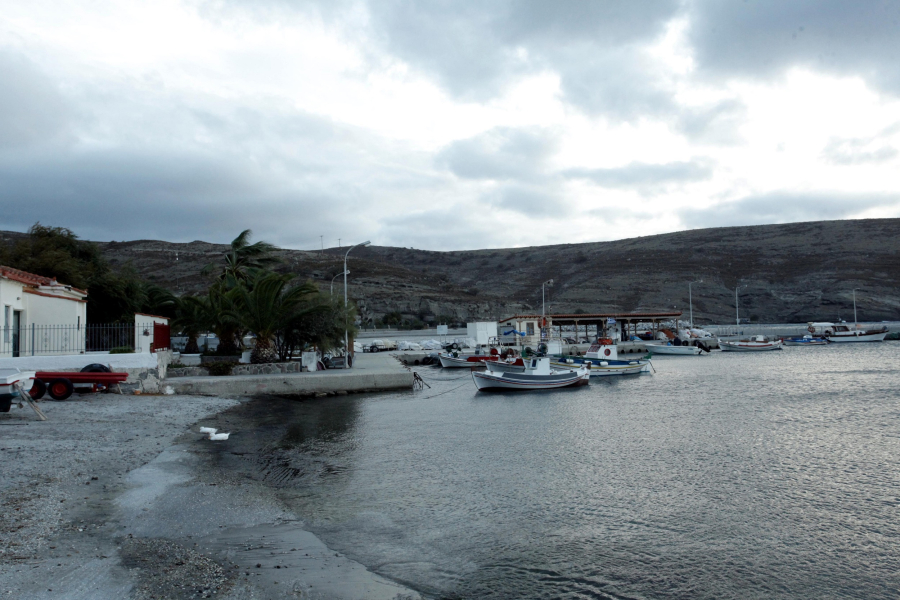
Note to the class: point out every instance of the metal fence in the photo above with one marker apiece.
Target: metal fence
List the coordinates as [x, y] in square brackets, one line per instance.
[49, 340]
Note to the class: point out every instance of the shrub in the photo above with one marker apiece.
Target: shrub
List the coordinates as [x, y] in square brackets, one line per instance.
[220, 368]
[122, 350]
[176, 366]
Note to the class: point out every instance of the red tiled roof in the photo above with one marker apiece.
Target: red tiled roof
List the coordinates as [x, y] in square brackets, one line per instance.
[31, 279]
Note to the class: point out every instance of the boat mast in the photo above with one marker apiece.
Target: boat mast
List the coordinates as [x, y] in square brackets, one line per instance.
[855, 323]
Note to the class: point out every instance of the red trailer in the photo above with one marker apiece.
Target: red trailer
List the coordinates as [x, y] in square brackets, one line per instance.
[61, 384]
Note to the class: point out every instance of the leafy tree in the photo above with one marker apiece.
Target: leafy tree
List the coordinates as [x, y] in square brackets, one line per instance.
[243, 260]
[321, 324]
[191, 319]
[268, 305]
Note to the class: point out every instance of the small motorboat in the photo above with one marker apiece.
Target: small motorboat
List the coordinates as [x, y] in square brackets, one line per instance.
[455, 360]
[537, 375]
[663, 348]
[509, 365]
[806, 340]
[604, 361]
[756, 343]
[13, 380]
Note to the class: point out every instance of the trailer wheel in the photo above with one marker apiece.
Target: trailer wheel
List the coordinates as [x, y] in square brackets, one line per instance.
[38, 389]
[96, 368]
[60, 389]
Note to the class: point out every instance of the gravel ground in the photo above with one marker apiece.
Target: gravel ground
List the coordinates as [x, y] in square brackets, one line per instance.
[111, 498]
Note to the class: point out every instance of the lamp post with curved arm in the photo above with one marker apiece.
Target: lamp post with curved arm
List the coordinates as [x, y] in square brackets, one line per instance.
[346, 345]
[691, 301]
[335, 277]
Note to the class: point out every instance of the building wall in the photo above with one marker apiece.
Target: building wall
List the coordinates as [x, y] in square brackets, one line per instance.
[143, 324]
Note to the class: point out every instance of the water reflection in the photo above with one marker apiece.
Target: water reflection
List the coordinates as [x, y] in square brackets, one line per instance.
[725, 476]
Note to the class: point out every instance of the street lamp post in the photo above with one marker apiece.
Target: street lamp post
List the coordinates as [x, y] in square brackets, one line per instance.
[855, 324]
[335, 277]
[737, 315]
[547, 283]
[346, 345]
[691, 301]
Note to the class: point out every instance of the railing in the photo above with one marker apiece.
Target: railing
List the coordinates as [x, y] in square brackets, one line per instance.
[50, 340]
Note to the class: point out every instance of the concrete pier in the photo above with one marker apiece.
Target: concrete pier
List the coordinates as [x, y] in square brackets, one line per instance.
[370, 373]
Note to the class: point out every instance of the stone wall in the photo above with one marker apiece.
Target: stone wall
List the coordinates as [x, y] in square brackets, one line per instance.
[267, 369]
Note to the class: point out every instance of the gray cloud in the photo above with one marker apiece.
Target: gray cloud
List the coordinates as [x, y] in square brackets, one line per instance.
[530, 200]
[474, 49]
[762, 38]
[856, 151]
[32, 110]
[501, 153]
[785, 208]
[715, 124]
[646, 177]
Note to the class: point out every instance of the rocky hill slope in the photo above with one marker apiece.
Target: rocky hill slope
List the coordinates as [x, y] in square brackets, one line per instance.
[784, 273]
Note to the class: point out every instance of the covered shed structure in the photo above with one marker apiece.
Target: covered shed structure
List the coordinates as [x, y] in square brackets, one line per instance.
[525, 330]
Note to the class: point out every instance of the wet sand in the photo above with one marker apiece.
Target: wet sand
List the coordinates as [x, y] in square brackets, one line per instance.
[114, 497]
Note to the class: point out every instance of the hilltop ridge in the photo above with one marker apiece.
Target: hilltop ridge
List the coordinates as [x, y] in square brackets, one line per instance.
[788, 273]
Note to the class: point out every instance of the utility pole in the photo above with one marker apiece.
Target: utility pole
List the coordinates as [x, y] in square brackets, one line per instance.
[322, 241]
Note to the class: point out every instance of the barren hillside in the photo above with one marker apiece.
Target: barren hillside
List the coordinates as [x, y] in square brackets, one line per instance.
[793, 272]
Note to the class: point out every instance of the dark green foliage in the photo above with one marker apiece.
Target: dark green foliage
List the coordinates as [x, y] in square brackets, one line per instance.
[220, 368]
[112, 296]
[122, 350]
[242, 261]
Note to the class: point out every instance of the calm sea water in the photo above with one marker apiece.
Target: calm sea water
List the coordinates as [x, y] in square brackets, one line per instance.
[773, 475]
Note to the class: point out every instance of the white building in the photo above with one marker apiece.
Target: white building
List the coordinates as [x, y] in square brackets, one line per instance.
[39, 313]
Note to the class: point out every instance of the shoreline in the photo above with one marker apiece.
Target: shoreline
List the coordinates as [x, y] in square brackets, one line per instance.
[109, 498]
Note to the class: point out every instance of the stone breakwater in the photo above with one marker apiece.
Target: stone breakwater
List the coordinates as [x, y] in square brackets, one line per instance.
[265, 369]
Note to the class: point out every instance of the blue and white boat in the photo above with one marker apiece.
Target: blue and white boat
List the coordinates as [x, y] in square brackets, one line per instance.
[604, 360]
[806, 340]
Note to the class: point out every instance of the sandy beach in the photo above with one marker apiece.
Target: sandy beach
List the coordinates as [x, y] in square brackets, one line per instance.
[112, 497]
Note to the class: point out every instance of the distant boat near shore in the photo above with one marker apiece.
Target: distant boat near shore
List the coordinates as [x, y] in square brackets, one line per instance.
[757, 343]
[842, 333]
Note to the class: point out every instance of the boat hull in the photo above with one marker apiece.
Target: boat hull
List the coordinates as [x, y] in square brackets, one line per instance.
[674, 350]
[749, 346]
[611, 367]
[805, 342]
[862, 336]
[501, 366]
[464, 362]
[492, 381]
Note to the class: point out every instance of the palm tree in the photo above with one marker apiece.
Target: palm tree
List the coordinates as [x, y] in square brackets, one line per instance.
[191, 318]
[243, 260]
[221, 305]
[266, 305]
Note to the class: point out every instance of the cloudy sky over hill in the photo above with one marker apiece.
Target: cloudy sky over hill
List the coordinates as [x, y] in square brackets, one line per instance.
[445, 125]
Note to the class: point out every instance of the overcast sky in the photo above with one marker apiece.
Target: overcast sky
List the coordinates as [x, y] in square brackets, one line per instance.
[445, 124]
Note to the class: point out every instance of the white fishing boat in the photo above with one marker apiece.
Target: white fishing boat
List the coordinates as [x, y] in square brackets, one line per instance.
[662, 348]
[757, 343]
[604, 361]
[454, 360]
[537, 376]
[842, 332]
[11, 381]
[510, 365]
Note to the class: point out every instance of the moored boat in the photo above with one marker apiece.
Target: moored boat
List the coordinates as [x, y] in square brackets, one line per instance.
[452, 360]
[806, 340]
[840, 332]
[661, 348]
[604, 361]
[537, 375]
[11, 381]
[757, 343]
